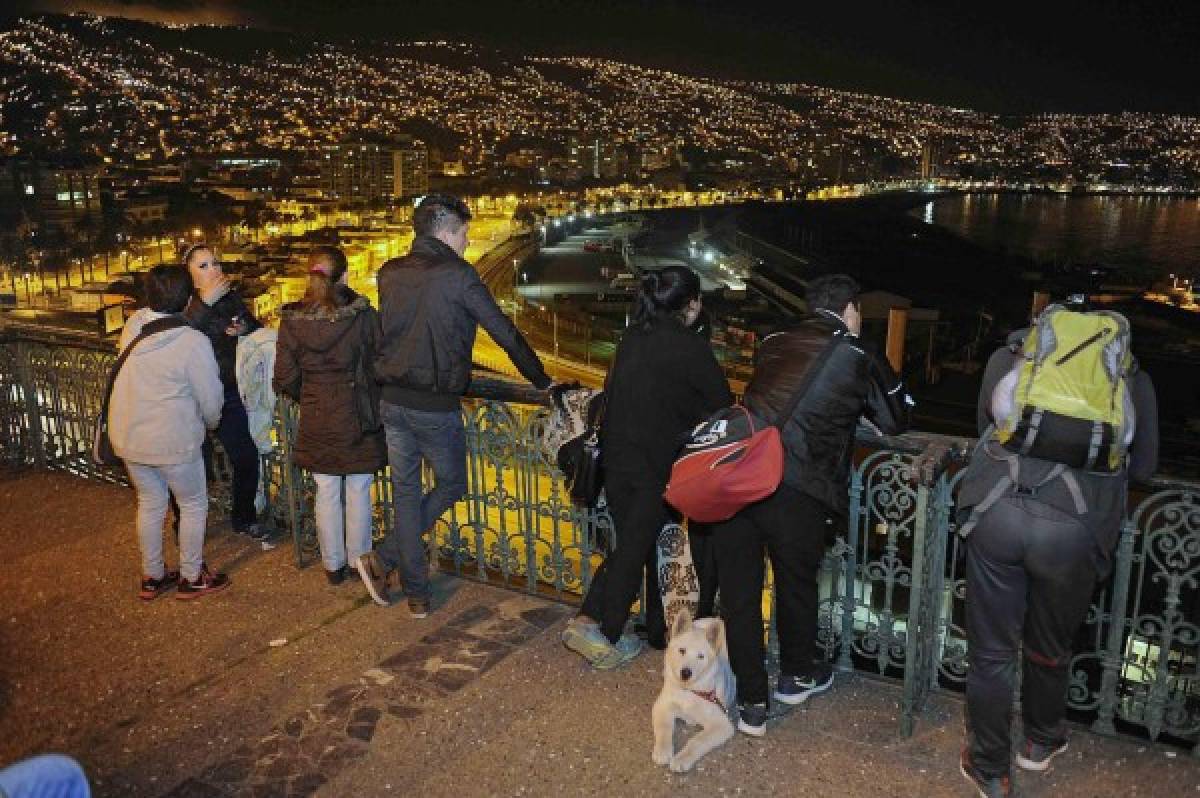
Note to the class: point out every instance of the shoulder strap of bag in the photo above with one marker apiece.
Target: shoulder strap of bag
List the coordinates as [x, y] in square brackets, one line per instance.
[150, 328]
[818, 365]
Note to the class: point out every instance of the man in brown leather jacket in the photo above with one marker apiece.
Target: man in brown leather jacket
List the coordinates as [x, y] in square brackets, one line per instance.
[848, 381]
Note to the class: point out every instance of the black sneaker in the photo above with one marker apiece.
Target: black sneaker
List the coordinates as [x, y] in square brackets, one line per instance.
[153, 588]
[206, 582]
[338, 576]
[752, 719]
[988, 787]
[1035, 756]
[793, 690]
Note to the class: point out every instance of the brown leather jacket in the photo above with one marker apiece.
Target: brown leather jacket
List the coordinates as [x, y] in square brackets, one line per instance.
[853, 381]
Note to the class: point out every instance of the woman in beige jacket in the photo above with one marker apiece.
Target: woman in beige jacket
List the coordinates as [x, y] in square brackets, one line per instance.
[167, 394]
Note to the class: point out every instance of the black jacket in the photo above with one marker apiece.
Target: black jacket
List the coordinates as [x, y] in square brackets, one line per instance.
[212, 321]
[315, 362]
[431, 301]
[664, 381]
[819, 436]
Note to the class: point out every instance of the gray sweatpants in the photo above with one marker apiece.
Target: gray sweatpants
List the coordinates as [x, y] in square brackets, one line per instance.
[154, 484]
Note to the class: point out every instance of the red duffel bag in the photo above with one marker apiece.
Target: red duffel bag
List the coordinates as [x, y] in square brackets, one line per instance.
[731, 460]
[734, 459]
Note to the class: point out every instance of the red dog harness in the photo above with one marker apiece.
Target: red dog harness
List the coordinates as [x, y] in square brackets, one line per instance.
[711, 695]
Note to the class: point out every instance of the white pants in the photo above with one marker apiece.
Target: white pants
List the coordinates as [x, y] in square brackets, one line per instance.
[343, 534]
[154, 484]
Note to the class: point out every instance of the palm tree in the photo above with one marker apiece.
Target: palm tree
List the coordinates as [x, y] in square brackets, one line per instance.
[253, 215]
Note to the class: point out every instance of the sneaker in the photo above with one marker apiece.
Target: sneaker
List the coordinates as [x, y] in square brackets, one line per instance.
[1035, 756]
[206, 582]
[793, 690]
[259, 533]
[625, 650]
[153, 588]
[752, 719]
[374, 576]
[585, 639]
[336, 577]
[418, 608]
[988, 787]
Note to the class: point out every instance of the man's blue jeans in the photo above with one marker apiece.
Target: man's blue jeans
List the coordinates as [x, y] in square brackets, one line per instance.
[46, 776]
[439, 439]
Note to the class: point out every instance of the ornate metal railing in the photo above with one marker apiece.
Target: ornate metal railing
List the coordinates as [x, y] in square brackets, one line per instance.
[892, 589]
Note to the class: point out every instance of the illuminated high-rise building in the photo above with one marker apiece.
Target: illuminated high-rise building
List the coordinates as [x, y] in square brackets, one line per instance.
[376, 169]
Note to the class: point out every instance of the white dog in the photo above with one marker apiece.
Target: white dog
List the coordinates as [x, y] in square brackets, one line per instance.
[698, 688]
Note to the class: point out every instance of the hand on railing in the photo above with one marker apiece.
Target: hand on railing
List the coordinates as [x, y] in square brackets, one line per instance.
[558, 389]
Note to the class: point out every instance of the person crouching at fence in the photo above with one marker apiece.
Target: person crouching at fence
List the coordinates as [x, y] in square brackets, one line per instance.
[165, 397]
[814, 379]
[664, 380]
[1040, 525]
[323, 359]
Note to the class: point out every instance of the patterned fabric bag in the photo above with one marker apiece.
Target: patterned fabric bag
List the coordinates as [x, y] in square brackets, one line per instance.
[677, 579]
[567, 423]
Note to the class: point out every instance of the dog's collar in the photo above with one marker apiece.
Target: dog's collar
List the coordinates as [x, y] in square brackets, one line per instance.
[711, 695]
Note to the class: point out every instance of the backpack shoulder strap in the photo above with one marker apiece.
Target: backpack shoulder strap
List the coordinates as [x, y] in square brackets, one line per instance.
[148, 329]
[810, 376]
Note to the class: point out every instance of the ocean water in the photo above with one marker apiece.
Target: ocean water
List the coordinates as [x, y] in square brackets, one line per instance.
[1141, 235]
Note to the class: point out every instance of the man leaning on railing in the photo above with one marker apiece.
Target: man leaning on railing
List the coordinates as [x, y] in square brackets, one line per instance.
[431, 302]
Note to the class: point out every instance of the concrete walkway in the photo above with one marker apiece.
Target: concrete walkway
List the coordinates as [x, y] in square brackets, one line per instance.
[285, 686]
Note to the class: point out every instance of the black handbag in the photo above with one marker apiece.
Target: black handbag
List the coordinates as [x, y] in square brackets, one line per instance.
[580, 458]
[102, 449]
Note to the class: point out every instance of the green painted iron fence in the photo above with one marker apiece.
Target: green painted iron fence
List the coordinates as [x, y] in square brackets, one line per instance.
[892, 589]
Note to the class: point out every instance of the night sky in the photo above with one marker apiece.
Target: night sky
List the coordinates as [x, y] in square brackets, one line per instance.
[1012, 57]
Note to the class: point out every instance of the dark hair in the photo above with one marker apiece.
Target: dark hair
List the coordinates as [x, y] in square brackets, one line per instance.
[192, 250]
[167, 288]
[322, 288]
[832, 292]
[437, 212]
[664, 293]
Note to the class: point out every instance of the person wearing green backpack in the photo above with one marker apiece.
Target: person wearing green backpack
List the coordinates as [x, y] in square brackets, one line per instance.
[1066, 420]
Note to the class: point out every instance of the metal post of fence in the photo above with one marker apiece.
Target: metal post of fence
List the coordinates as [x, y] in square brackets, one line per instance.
[915, 643]
[1114, 647]
[845, 662]
[33, 413]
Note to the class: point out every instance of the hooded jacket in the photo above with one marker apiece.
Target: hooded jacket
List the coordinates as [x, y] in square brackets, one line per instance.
[431, 302]
[165, 396]
[315, 363]
[818, 438]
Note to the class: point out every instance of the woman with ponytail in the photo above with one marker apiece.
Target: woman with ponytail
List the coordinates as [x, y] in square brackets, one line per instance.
[327, 344]
[664, 381]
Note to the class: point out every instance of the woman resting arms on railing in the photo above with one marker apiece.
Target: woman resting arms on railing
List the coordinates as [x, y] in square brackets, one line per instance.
[664, 381]
[327, 343]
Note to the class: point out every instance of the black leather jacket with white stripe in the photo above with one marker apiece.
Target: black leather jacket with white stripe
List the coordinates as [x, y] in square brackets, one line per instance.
[853, 382]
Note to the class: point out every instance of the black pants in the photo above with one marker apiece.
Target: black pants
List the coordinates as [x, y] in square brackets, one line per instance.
[639, 513]
[790, 526]
[1030, 574]
[234, 434]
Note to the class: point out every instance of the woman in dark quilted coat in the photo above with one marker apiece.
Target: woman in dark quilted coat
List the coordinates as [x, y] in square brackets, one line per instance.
[327, 343]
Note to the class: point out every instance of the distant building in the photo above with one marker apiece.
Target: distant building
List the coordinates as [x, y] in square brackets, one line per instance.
[387, 169]
[930, 156]
[55, 195]
[144, 208]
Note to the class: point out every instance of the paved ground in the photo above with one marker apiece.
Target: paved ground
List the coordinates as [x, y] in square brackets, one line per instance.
[175, 699]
